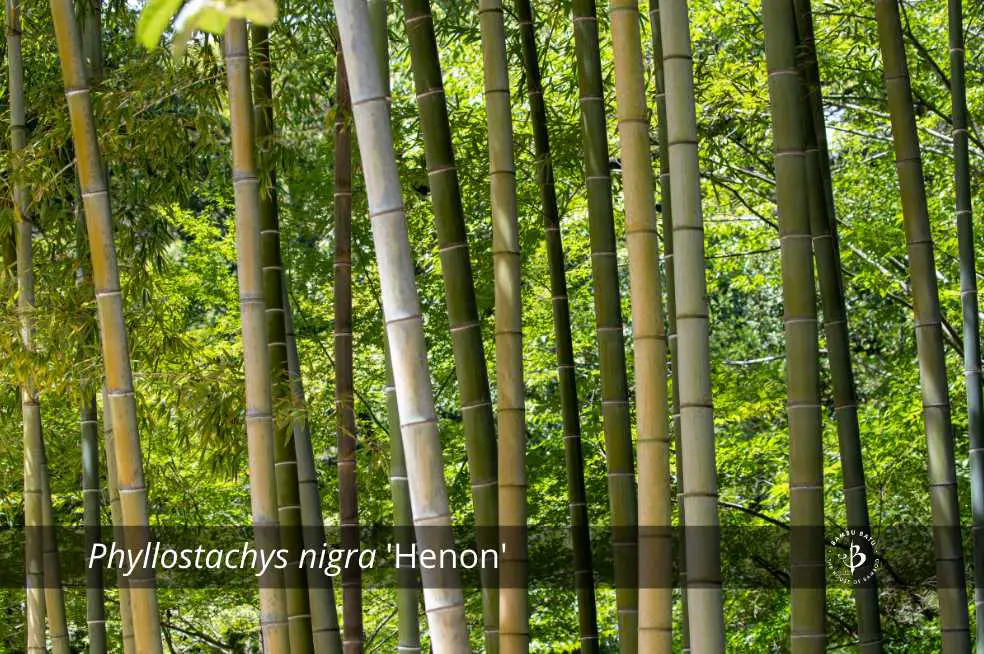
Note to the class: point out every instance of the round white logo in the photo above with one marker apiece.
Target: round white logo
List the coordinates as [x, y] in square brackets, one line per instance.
[858, 562]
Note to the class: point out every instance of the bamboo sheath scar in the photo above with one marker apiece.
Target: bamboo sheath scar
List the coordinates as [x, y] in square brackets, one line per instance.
[408, 582]
[288, 493]
[827, 257]
[567, 381]
[671, 338]
[475, 400]
[969, 304]
[807, 563]
[116, 514]
[513, 601]
[109, 303]
[950, 575]
[260, 433]
[648, 333]
[443, 598]
[704, 599]
[608, 317]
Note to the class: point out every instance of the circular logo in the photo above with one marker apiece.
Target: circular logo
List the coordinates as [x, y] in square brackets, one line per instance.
[857, 561]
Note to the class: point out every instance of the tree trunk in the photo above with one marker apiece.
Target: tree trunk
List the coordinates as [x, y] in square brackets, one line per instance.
[968, 302]
[109, 303]
[260, 432]
[704, 601]
[513, 601]
[41, 547]
[344, 393]
[576, 497]
[288, 493]
[807, 564]
[324, 614]
[827, 256]
[929, 337]
[671, 337]
[648, 333]
[466, 334]
[443, 597]
[608, 317]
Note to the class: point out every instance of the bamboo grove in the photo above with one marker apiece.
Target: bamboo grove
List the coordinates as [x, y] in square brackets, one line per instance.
[671, 306]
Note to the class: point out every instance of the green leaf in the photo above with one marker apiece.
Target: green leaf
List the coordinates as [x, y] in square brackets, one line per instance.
[154, 19]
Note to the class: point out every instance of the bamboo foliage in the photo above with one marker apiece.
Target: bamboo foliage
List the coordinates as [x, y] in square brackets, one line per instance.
[344, 392]
[260, 433]
[969, 304]
[443, 598]
[109, 304]
[929, 336]
[608, 317]
[827, 256]
[671, 338]
[288, 493]
[648, 333]
[704, 601]
[807, 562]
[466, 335]
[513, 602]
[576, 496]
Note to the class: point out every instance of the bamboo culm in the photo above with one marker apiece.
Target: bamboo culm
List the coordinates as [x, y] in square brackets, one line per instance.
[443, 598]
[260, 432]
[566, 378]
[704, 598]
[954, 619]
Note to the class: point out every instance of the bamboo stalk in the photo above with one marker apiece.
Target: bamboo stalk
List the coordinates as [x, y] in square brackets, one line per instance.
[260, 433]
[324, 613]
[671, 336]
[466, 335]
[929, 337]
[968, 303]
[608, 319]
[807, 564]
[648, 333]
[827, 256]
[506, 262]
[109, 303]
[288, 493]
[95, 611]
[116, 514]
[443, 598]
[704, 599]
[344, 393]
[576, 496]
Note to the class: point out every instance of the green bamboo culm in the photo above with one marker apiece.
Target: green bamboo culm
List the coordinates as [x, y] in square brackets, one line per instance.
[705, 616]
[348, 513]
[608, 317]
[95, 610]
[514, 635]
[566, 378]
[116, 515]
[666, 210]
[648, 333]
[407, 580]
[443, 597]
[807, 564]
[260, 432]
[466, 334]
[33, 553]
[288, 493]
[827, 257]
[950, 578]
[109, 304]
[969, 304]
